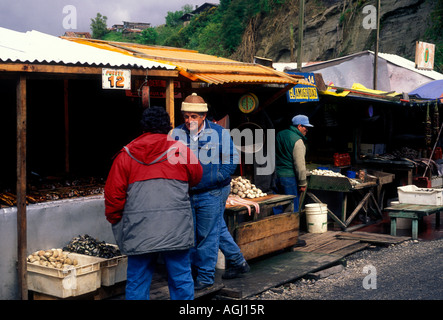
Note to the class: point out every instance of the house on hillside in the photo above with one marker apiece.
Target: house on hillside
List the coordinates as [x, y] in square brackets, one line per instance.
[75, 34]
[129, 29]
[186, 18]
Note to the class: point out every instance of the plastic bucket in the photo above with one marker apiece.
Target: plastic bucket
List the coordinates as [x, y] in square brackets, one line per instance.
[317, 217]
[351, 174]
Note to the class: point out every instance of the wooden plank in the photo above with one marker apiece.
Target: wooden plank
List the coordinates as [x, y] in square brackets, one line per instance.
[372, 237]
[252, 231]
[335, 245]
[267, 235]
[273, 199]
[414, 207]
[268, 245]
[170, 100]
[64, 69]
[351, 249]
[21, 188]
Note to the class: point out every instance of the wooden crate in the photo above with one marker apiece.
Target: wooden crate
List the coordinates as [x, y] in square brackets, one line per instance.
[267, 235]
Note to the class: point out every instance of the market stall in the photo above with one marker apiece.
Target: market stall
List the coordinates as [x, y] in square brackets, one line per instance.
[88, 118]
[366, 187]
[384, 131]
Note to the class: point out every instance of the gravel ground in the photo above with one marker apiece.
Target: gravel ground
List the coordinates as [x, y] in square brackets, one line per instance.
[411, 270]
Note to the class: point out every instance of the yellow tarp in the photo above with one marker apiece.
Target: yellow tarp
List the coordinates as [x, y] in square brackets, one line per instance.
[356, 88]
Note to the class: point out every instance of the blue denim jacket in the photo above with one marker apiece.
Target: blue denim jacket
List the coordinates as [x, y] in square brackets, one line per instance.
[216, 152]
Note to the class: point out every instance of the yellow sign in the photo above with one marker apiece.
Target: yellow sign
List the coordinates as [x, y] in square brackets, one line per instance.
[303, 93]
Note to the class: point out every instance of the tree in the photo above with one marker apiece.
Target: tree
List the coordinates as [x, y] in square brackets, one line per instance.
[149, 36]
[99, 27]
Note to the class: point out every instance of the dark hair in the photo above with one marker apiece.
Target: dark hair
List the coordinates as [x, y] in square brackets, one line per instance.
[156, 120]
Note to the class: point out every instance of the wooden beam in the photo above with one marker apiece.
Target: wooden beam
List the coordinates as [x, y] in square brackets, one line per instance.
[21, 188]
[63, 69]
[170, 100]
[66, 115]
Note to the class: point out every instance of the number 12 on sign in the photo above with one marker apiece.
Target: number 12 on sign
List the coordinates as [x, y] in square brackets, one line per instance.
[116, 79]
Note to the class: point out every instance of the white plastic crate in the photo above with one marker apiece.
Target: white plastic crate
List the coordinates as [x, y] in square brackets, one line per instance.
[84, 278]
[113, 270]
[415, 195]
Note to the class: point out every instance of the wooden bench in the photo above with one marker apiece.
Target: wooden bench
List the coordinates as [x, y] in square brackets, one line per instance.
[415, 212]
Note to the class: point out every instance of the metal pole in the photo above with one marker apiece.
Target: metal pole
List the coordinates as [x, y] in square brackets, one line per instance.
[300, 35]
[377, 38]
[21, 188]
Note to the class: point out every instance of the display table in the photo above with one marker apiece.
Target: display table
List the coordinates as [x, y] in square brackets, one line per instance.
[262, 233]
[344, 186]
[414, 212]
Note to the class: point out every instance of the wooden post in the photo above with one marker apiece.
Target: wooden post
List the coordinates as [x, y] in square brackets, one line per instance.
[170, 100]
[300, 35]
[377, 38]
[66, 108]
[21, 188]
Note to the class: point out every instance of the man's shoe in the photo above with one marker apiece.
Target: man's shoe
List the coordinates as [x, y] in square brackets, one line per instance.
[200, 286]
[235, 271]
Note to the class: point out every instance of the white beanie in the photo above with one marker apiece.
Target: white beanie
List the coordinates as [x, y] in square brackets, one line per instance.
[194, 103]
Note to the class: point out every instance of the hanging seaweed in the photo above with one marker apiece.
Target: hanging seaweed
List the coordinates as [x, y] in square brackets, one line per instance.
[435, 119]
[428, 128]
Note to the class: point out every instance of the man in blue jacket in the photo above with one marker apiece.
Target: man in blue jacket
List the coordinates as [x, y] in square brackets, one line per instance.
[213, 146]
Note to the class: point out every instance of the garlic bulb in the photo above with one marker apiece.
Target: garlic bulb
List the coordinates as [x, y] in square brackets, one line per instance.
[245, 189]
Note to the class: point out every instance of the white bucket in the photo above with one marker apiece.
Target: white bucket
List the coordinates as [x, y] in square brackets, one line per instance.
[317, 217]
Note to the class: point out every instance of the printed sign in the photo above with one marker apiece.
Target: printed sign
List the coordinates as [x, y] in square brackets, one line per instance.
[424, 55]
[302, 92]
[116, 79]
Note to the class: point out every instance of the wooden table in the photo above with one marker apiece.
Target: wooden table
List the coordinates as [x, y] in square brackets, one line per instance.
[344, 186]
[414, 212]
[262, 233]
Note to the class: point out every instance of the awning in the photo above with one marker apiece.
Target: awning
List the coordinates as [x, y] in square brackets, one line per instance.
[197, 66]
[37, 47]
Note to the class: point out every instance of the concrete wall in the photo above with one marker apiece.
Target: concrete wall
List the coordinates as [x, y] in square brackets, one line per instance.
[49, 225]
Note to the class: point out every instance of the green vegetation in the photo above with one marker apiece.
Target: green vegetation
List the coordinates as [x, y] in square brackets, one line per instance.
[98, 26]
[217, 31]
[434, 34]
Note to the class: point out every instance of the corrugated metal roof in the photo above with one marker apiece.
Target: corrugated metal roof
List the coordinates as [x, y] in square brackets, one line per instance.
[197, 66]
[37, 47]
[408, 64]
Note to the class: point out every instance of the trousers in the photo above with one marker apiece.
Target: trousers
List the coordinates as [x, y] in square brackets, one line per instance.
[141, 269]
[288, 186]
[212, 234]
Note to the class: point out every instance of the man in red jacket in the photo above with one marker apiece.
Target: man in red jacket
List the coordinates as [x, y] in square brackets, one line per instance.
[147, 203]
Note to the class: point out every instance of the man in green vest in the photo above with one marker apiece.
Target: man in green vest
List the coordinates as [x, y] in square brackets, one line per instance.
[290, 158]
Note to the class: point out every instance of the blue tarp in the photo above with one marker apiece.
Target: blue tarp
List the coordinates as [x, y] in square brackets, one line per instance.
[431, 90]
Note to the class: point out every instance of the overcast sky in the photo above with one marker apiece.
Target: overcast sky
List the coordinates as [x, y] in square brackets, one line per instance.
[57, 16]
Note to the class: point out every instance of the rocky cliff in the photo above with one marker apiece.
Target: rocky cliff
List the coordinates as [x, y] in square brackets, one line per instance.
[333, 28]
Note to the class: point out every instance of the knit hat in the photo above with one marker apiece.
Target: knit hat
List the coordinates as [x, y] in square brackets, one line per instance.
[194, 103]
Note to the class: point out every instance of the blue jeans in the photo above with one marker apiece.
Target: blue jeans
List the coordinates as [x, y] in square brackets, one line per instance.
[288, 186]
[211, 234]
[141, 269]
